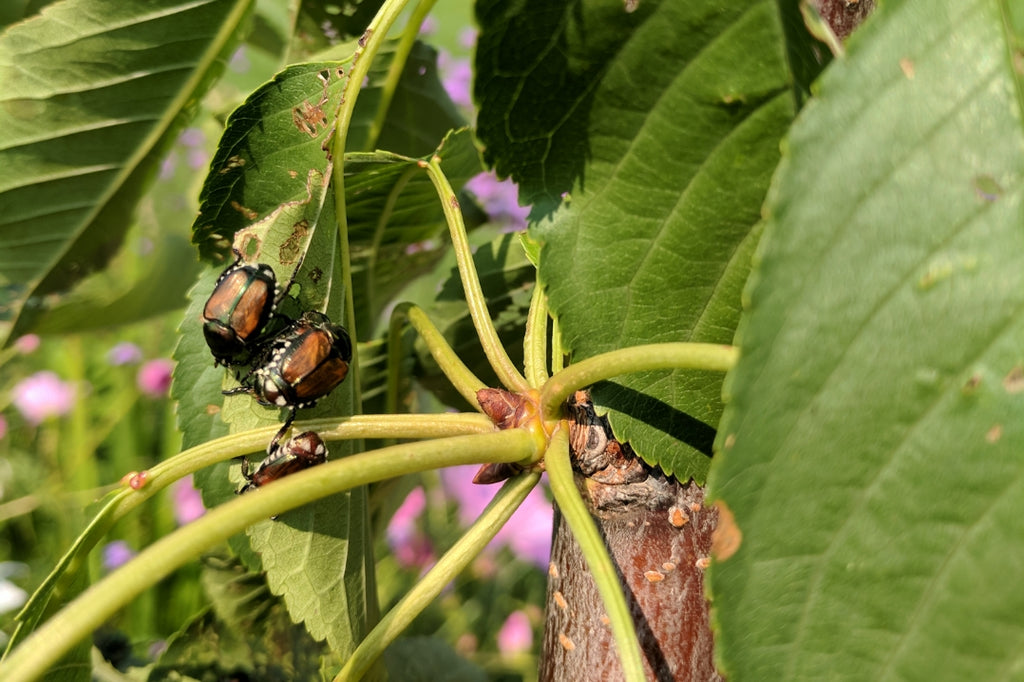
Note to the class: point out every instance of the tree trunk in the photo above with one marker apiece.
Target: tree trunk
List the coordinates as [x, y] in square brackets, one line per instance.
[658, 532]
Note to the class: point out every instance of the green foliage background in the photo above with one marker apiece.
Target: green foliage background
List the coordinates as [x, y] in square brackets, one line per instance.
[692, 179]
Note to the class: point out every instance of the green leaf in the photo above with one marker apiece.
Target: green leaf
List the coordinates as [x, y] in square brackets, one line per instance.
[106, 299]
[392, 205]
[245, 634]
[535, 71]
[655, 243]
[320, 25]
[270, 163]
[506, 277]
[426, 659]
[273, 159]
[871, 451]
[419, 114]
[93, 95]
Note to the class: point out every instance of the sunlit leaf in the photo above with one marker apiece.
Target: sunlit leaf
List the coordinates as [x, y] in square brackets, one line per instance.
[655, 242]
[871, 452]
[93, 95]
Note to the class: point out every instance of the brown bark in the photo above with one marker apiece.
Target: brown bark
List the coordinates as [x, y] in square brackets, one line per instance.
[658, 532]
[843, 16]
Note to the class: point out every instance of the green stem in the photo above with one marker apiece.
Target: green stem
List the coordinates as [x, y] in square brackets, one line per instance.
[124, 499]
[378, 235]
[583, 528]
[460, 376]
[535, 344]
[387, 91]
[430, 585]
[369, 45]
[101, 601]
[557, 347]
[706, 356]
[507, 373]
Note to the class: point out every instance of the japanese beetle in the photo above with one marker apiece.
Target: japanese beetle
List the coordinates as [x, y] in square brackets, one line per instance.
[239, 310]
[300, 365]
[301, 452]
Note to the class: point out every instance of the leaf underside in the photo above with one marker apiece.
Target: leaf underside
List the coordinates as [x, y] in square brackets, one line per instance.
[667, 179]
[871, 449]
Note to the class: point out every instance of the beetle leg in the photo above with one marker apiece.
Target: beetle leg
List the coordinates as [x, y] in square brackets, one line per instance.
[275, 441]
[237, 390]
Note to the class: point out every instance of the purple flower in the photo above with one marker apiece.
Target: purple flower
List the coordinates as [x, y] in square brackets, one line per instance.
[116, 554]
[154, 377]
[330, 32]
[516, 635]
[3, 426]
[27, 344]
[457, 79]
[527, 533]
[409, 545]
[500, 200]
[467, 37]
[192, 137]
[124, 353]
[43, 395]
[239, 62]
[188, 502]
[197, 159]
[429, 26]
[167, 166]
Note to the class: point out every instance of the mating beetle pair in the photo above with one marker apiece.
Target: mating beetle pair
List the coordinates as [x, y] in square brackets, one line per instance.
[290, 367]
[302, 364]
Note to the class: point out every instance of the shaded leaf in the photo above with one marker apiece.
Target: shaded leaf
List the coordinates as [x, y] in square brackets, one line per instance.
[105, 300]
[871, 450]
[536, 68]
[392, 205]
[654, 245]
[426, 659]
[506, 278]
[320, 25]
[245, 633]
[93, 95]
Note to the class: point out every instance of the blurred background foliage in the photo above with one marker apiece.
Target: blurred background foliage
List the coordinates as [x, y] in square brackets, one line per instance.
[84, 402]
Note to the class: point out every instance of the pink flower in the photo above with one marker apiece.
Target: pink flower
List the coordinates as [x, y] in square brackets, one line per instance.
[500, 200]
[409, 545]
[167, 166]
[124, 353]
[429, 26]
[193, 137]
[188, 502]
[527, 533]
[457, 79]
[27, 344]
[154, 377]
[516, 635]
[467, 37]
[3, 426]
[43, 395]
